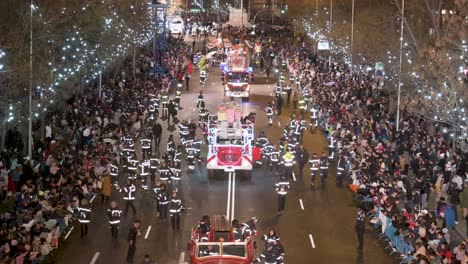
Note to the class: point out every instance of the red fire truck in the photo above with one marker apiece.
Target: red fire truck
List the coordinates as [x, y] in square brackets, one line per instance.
[221, 245]
[229, 141]
[237, 75]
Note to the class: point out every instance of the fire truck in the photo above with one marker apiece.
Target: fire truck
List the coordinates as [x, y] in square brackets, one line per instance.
[219, 245]
[237, 75]
[229, 140]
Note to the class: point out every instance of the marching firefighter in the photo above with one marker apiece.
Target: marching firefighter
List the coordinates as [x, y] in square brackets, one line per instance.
[153, 170]
[313, 117]
[197, 147]
[200, 99]
[340, 169]
[288, 91]
[331, 146]
[175, 173]
[176, 100]
[175, 208]
[165, 104]
[269, 112]
[114, 169]
[274, 159]
[156, 190]
[129, 196]
[202, 115]
[314, 167]
[282, 189]
[178, 154]
[113, 214]
[302, 105]
[163, 201]
[170, 147]
[190, 156]
[132, 167]
[145, 143]
[202, 77]
[84, 216]
[323, 163]
[164, 171]
[277, 89]
[145, 166]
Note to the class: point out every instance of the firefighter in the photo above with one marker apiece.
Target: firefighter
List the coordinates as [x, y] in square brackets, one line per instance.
[274, 159]
[178, 154]
[269, 112]
[331, 146]
[249, 228]
[126, 153]
[132, 167]
[183, 131]
[282, 79]
[269, 256]
[202, 115]
[190, 156]
[113, 214]
[236, 229]
[145, 166]
[84, 217]
[314, 166]
[163, 201]
[164, 171]
[114, 169]
[164, 104]
[204, 227]
[176, 100]
[292, 145]
[145, 143]
[203, 75]
[341, 169]
[262, 140]
[156, 190]
[302, 105]
[323, 163]
[170, 147]
[175, 173]
[288, 91]
[129, 196]
[313, 117]
[154, 165]
[282, 189]
[288, 163]
[175, 208]
[197, 147]
[277, 89]
[192, 129]
[200, 99]
[270, 237]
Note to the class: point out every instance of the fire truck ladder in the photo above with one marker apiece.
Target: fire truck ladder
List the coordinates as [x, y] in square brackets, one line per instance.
[160, 35]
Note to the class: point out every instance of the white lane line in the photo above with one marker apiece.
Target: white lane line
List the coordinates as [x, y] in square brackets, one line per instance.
[294, 176]
[279, 124]
[228, 207]
[147, 232]
[233, 194]
[92, 199]
[301, 203]
[312, 240]
[69, 232]
[96, 256]
[181, 258]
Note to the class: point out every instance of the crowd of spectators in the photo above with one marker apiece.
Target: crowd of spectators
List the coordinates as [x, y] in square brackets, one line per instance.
[71, 162]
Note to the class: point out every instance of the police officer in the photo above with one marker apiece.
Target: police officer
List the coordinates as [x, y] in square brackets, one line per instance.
[302, 157]
[163, 201]
[282, 189]
[175, 208]
[269, 112]
[129, 196]
[200, 99]
[84, 216]
[360, 228]
[323, 163]
[113, 214]
[314, 167]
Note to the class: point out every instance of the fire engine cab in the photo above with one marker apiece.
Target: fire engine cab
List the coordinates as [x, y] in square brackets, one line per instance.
[221, 245]
[229, 141]
[237, 75]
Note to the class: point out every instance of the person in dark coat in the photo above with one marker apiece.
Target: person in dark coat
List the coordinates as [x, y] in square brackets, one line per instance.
[360, 229]
[302, 157]
[133, 234]
[279, 104]
[157, 132]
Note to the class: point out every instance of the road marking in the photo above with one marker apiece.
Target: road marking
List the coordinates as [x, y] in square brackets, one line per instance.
[181, 258]
[312, 240]
[301, 203]
[96, 256]
[147, 232]
[228, 207]
[233, 194]
[69, 232]
[92, 199]
[279, 124]
[294, 176]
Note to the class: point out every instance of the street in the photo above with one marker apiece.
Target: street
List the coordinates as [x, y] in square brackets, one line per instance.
[317, 226]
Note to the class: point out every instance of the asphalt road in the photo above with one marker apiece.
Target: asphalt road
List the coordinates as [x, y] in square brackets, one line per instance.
[321, 230]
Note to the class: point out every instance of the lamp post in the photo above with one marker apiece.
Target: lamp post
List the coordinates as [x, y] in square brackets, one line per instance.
[31, 8]
[401, 61]
[352, 39]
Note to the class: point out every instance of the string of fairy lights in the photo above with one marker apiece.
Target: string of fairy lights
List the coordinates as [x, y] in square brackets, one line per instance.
[80, 55]
[440, 100]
